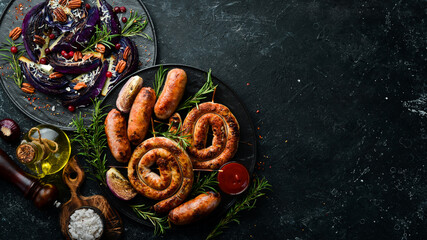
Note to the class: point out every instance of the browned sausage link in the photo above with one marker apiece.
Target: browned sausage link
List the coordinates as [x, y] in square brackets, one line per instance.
[174, 123]
[175, 179]
[195, 209]
[115, 129]
[226, 133]
[140, 115]
[171, 94]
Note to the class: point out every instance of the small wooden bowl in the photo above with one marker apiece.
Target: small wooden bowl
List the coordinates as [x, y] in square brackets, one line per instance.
[97, 211]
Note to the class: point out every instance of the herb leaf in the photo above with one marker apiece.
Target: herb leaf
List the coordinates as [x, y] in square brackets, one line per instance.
[13, 61]
[160, 223]
[174, 135]
[207, 88]
[92, 141]
[248, 202]
[135, 26]
[159, 79]
[206, 183]
[102, 35]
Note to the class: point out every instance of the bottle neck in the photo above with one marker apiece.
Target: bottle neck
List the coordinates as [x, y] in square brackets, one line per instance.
[29, 152]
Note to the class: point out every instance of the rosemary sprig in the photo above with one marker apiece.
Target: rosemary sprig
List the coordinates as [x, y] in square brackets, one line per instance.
[102, 35]
[92, 141]
[174, 135]
[135, 26]
[248, 202]
[13, 60]
[160, 223]
[159, 79]
[206, 183]
[207, 88]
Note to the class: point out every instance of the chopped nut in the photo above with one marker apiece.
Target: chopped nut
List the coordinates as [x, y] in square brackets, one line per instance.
[121, 65]
[15, 33]
[79, 86]
[39, 40]
[27, 88]
[55, 75]
[87, 56]
[60, 15]
[100, 48]
[77, 56]
[126, 53]
[72, 4]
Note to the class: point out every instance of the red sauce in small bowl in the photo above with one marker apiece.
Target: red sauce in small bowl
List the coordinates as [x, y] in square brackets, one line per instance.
[233, 179]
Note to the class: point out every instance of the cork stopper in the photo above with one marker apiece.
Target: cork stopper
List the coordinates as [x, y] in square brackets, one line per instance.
[26, 153]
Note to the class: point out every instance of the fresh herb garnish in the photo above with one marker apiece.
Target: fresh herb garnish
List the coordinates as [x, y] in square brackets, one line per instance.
[204, 184]
[248, 202]
[102, 35]
[207, 88]
[175, 135]
[92, 141]
[135, 26]
[160, 223]
[159, 79]
[12, 58]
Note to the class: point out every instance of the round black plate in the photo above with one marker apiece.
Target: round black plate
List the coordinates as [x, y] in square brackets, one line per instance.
[245, 155]
[39, 106]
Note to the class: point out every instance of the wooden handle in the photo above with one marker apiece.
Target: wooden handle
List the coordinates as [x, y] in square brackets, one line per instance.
[73, 176]
[43, 195]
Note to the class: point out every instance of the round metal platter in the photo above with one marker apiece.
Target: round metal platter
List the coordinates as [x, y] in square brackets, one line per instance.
[48, 109]
[246, 153]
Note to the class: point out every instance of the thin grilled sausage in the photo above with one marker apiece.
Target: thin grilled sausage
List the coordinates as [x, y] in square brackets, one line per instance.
[115, 129]
[174, 181]
[172, 93]
[195, 209]
[140, 115]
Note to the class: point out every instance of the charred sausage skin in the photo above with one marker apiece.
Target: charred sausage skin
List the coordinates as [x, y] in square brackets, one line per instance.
[140, 115]
[172, 93]
[115, 130]
[195, 209]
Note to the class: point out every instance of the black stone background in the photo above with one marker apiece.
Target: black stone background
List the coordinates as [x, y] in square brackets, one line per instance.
[341, 91]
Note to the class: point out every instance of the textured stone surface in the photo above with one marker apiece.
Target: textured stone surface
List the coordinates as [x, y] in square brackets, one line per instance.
[341, 91]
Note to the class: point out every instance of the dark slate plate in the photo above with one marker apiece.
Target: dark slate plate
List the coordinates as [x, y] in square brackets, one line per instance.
[245, 155]
[38, 106]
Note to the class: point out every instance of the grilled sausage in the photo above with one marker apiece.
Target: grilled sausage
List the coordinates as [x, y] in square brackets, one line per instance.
[128, 94]
[226, 134]
[195, 209]
[115, 129]
[140, 115]
[175, 179]
[172, 93]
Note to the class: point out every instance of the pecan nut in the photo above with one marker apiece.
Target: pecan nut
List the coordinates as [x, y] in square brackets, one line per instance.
[100, 48]
[79, 86]
[77, 56]
[27, 88]
[60, 15]
[55, 75]
[121, 65]
[15, 33]
[39, 40]
[87, 56]
[72, 4]
[62, 2]
[126, 53]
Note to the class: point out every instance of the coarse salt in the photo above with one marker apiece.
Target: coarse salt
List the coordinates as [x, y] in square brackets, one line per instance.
[85, 224]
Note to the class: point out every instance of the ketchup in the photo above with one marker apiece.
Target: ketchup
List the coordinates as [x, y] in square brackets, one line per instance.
[234, 178]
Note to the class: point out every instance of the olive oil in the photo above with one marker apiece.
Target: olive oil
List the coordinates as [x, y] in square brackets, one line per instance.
[45, 150]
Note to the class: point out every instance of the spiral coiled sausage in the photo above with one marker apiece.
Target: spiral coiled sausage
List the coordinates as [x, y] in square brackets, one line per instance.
[226, 133]
[175, 179]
